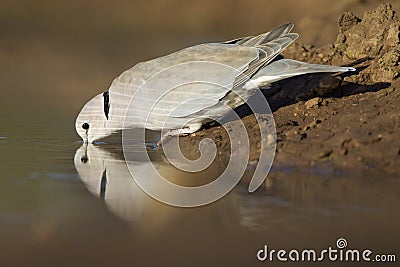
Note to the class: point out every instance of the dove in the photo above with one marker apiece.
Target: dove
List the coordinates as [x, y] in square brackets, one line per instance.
[248, 63]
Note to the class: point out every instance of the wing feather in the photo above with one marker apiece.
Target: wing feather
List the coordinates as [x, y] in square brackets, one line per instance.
[188, 81]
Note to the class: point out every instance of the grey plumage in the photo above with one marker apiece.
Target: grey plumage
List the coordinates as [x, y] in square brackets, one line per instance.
[239, 65]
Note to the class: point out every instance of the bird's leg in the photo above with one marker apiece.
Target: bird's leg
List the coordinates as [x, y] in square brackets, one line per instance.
[175, 132]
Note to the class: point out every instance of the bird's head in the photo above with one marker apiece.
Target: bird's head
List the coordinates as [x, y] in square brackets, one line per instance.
[92, 122]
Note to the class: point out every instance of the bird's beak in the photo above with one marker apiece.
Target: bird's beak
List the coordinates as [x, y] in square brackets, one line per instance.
[86, 139]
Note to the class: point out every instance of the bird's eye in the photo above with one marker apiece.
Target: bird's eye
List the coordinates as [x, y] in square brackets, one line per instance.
[85, 126]
[84, 159]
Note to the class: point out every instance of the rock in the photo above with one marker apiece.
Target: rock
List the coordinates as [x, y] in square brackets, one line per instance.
[375, 37]
[347, 20]
[315, 102]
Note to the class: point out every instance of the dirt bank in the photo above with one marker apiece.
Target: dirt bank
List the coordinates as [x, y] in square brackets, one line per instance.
[349, 121]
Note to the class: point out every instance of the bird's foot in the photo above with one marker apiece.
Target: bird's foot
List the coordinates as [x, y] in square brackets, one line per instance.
[174, 132]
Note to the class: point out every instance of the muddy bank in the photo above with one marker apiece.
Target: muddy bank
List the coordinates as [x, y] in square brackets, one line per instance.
[349, 121]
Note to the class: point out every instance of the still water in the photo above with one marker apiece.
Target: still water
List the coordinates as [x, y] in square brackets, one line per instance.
[66, 205]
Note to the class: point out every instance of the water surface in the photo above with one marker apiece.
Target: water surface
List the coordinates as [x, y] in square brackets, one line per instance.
[59, 208]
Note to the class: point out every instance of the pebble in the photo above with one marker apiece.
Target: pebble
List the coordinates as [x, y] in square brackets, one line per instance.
[314, 102]
[325, 153]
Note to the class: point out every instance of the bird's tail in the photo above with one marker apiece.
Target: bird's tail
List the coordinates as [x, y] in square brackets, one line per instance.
[286, 68]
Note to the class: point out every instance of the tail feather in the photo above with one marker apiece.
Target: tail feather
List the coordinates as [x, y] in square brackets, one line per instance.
[286, 68]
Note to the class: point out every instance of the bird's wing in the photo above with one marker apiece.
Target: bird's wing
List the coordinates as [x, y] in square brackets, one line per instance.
[271, 44]
[195, 78]
[180, 83]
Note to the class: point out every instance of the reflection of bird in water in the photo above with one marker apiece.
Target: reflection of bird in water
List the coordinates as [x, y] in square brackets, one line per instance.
[108, 178]
[106, 175]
